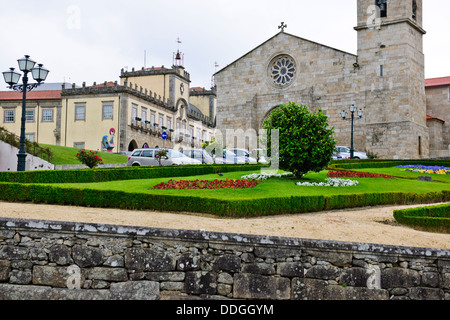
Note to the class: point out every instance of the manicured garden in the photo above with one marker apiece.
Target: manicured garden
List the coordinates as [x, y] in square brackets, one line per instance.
[229, 191]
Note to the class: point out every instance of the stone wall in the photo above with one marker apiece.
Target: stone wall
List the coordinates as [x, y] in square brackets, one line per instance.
[62, 260]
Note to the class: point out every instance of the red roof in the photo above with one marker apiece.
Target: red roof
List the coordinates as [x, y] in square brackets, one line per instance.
[437, 82]
[434, 118]
[35, 95]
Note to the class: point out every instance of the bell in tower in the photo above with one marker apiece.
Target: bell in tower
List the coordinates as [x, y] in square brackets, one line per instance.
[178, 58]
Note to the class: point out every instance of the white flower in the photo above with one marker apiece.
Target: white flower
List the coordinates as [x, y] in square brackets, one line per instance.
[330, 182]
[265, 175]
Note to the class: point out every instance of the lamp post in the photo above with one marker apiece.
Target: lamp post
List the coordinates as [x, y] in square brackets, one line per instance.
[12, 77]
[344, 115]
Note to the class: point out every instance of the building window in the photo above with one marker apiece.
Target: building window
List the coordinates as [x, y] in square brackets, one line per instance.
[134, 114]
[29, 115]
[420, 146]
[382, 4]
[47, 115]
[80, 111]
[143, 114]
[108, 111]
[282, 70]
[414, 9]
[169, 123]
[29, 137]
[152, 118]
[78, 145]
[9, 116]
[381, 71]
[161, 122]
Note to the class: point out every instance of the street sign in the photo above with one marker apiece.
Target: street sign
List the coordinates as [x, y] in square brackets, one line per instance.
[164, 135]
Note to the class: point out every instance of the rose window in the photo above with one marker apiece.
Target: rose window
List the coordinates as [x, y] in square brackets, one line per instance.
[282, 70]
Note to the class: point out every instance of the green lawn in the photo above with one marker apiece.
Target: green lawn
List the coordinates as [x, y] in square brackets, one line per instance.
[67, 155]
[272, 188]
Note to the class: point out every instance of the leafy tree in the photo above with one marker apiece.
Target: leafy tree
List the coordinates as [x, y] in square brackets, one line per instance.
[305, 140]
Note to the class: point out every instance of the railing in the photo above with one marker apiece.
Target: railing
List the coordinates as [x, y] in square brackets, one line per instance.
[32, 148]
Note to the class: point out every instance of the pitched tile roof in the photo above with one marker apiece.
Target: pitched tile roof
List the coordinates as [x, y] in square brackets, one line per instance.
[437, 82]
[35, 95]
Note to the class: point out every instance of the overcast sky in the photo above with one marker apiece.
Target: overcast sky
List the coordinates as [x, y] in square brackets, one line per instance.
[92, 40]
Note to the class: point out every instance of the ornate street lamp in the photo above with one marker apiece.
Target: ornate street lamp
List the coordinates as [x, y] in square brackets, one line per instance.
[344, 115]
[12, 77]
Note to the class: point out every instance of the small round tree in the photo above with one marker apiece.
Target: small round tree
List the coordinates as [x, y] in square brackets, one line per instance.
[305, 140]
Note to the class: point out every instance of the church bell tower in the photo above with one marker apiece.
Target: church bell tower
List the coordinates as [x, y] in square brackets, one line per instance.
[391, 77]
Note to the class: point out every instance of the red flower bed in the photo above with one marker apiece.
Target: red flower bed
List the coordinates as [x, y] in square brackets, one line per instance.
[355, 174]
[206, 184]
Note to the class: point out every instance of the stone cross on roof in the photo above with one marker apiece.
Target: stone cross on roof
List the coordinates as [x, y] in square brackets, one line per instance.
[282, 27]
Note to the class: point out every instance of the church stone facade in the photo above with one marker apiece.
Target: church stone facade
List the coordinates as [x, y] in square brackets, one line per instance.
[385, 79]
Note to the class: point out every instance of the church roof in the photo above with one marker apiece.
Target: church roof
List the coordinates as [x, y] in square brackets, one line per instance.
[437, 82]
[291, 35]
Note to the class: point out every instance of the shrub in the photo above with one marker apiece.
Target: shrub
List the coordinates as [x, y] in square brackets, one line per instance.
[428, 218]
[89, 158]
[206, 184]
[305, 140]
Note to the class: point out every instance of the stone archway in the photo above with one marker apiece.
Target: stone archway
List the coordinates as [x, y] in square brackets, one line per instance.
[132, 145]
[266, 115]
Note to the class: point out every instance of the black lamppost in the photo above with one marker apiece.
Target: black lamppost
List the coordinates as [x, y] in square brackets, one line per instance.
[12, 77]
[344, 117]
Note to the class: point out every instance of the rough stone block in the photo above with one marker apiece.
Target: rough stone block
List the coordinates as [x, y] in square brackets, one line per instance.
[307, 289]
[20, 277]
[253, 286]
[227, 262]
[354, 293]
[60, 254]
[189, 262]
[420, 293]
[14, 253]
[399, 278]
[259, 268]
[323, 272]
[108, 274]
[4, 270]
[355, 277]
[201, 282]
[141, 259]
[53, 276]
[276, 253]
[135, 290]
[87, 256]
[290, 269]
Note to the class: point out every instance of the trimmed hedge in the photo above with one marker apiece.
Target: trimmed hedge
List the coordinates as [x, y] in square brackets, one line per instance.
[382, 163]
[229, 208]
[122, 173]
[429, 218]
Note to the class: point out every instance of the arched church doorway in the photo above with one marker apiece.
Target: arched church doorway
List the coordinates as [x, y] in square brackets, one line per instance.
[132, 145]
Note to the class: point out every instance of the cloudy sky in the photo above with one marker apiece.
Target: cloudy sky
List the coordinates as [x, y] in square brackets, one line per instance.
[92, 40]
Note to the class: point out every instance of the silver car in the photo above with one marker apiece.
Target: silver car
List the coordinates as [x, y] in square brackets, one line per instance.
[199, 154]
[147, 157]
[344, 153]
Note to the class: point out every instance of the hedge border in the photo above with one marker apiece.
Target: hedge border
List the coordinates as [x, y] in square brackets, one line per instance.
[120, 173]
[16, 192]
[430, 218]
[383, 163]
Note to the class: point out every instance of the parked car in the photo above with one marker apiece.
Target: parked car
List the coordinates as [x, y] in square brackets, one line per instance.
[259, 155]
[199, 154]
[147, 157]
[344, 152]
[229, 157]
[243, 153]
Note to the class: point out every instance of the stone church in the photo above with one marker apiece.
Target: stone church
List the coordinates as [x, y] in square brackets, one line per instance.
[385, 79]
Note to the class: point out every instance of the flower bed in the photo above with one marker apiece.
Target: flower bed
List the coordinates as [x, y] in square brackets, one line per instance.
[330, 182]
[425, 169]
[265, 175]
[207, 184]
[355, 174]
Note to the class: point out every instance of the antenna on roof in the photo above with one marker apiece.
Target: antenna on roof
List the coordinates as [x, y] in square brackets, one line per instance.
[213, 83]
